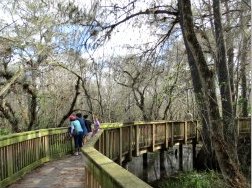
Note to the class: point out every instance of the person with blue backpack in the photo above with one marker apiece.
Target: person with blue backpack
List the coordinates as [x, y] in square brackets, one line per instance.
[77, 132]
[83, 126]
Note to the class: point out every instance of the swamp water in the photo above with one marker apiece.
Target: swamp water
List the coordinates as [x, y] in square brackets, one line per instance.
[171, 163]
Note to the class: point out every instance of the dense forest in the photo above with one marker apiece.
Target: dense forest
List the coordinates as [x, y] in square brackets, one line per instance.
[129, 60]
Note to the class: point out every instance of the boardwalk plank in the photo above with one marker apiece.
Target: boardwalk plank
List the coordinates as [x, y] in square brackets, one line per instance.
[67, 172]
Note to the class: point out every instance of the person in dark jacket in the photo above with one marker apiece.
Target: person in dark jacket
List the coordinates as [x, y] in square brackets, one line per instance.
[83, 125]
[88, 123]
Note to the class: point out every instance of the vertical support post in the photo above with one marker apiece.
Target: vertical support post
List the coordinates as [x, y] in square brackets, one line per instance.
[197, 131]
[120, 146]
[112, 143]
[194, 142]
[137, 139]
[153, 136]
[166, 135]
[1, 163]
[185, 132]
[103, 143]
[145, 167]
[107, 143]
[100, 144]
[172, 134]
[180, 156]
[91, 180]
[238, 126]
[130, 142]
[47, 151]
[162, 164]
[72, 144]
[86, 177]
[10, 160]
[37, 146]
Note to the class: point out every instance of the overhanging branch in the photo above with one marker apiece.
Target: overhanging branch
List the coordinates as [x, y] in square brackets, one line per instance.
[146, 12]
[11, 81]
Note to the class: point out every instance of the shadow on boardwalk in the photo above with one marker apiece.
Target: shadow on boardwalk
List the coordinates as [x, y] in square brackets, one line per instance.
[67, 172]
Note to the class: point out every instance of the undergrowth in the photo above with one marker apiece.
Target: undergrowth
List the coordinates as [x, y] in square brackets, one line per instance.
[192, 179]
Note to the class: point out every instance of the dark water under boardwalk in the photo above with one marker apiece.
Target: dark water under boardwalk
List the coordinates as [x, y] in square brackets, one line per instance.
[171, 163]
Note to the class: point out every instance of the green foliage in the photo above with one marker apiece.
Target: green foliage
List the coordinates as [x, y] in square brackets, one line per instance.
[4, 131]
[193, 179]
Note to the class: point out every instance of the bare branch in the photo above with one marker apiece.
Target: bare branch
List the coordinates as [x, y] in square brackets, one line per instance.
[11, 81]
[146, 12]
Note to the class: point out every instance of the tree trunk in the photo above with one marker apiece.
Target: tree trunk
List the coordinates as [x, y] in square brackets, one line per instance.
[230, 56]
[228, 166]
[33, 112]
[88, 96]
[246, 41]
[244, 97]
[98, 84]
[33, 104]
[74, 100]
[199, 95]
[9, 114]
[230, 133]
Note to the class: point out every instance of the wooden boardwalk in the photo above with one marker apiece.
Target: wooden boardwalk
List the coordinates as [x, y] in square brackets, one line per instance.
[24, 152]
[67, 172]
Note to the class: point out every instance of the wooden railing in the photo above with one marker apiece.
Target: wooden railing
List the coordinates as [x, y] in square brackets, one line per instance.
[131, 139]
[138, 138]
[244, 125]
[22, 152]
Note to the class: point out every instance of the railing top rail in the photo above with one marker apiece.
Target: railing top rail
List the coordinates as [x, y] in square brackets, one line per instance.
[125, 124]
[109, 171]
[243, 118]
[19, 137]
[157, 121]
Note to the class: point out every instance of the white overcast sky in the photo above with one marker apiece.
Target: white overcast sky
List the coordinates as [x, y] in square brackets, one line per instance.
[123, 35]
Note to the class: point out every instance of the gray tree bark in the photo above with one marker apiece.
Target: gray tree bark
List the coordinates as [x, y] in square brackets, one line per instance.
[228, 165]
[229, 129]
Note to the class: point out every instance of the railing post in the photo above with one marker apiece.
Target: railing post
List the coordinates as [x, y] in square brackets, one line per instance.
[37, 146]
[185, 132]
[103, 143]
[153, 137]
[10, 160]
[197, 130]
[137, 139]
[130, 143]
[47, 151]
[238, 126]
[180, 156]
[107, 143]
[166, 135]
[120, 146]
[172, 133]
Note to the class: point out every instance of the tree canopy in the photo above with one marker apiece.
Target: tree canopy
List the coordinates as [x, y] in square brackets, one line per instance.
[126, 61]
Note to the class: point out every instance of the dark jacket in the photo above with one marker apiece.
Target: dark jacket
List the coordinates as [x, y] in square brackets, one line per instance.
[83, 126]
[88, 125]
